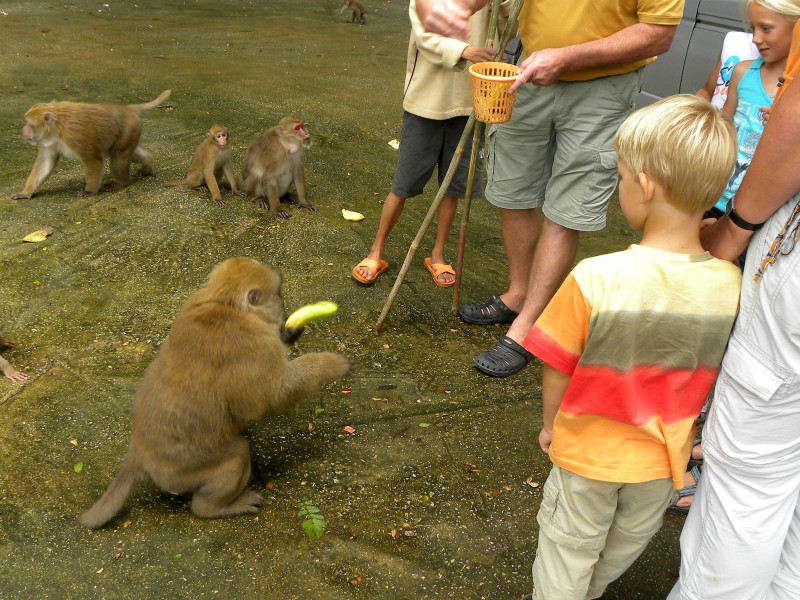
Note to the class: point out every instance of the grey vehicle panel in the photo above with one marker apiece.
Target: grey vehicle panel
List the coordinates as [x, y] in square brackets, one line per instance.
[694, 51]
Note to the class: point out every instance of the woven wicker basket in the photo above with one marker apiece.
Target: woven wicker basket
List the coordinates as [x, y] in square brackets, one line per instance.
[490, 81]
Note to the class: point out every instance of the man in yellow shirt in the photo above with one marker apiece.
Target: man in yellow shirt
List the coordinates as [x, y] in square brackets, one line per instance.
[552, 169]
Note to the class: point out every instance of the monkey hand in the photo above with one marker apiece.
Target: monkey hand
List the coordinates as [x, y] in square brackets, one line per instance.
[307, 205]
[289, 335]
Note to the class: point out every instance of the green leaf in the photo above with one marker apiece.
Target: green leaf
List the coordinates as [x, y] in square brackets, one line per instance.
[313, 523]
[176, 557]
[424, 424]
[78, 466]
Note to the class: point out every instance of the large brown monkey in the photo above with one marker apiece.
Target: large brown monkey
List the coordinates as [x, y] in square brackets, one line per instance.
[89, 132]
[356, 8]
[6, 368]
[222, 365]
[211, 159]
[274, 160]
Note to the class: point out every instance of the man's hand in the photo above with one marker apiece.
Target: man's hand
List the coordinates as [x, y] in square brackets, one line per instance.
[542, 67]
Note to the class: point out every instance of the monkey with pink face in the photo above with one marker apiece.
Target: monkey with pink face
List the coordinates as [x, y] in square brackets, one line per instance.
[273, 162]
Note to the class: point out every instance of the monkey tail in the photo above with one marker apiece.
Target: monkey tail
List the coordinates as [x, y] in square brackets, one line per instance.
[148, 105]
[111, 502]
[176, 183]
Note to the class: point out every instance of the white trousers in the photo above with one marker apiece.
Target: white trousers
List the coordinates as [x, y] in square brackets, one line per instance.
[741, 540]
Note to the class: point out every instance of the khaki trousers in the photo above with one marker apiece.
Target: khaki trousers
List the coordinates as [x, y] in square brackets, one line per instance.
[591, 531]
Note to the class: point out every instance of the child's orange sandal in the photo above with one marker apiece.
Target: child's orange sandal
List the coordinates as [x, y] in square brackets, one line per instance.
[437, 269]
[377, 267]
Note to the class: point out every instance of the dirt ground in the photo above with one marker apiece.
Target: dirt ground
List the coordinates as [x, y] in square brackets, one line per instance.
[433, 495]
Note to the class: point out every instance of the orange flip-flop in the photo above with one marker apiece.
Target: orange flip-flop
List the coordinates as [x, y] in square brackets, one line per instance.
[373, 265]
[437, 269]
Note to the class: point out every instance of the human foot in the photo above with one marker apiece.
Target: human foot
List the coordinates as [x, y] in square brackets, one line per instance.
[367, 270]
[443, 273]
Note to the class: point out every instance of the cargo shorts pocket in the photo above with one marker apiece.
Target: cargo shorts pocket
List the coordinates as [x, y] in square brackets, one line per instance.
[555, 518]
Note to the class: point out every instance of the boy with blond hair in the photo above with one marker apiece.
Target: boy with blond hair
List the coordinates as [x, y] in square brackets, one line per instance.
[632, 342]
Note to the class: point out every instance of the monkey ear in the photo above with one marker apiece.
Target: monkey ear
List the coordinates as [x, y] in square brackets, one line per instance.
[255, 297]
[49, 117]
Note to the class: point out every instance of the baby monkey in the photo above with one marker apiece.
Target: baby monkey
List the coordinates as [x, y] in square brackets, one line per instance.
[211, 159]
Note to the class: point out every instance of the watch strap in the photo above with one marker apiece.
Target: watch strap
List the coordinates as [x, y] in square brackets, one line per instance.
[740, 222]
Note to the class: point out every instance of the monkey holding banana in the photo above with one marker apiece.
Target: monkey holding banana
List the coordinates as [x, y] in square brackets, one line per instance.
[222, 365]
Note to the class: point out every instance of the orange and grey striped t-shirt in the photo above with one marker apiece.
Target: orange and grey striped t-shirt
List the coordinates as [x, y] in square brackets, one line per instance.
[642, 333]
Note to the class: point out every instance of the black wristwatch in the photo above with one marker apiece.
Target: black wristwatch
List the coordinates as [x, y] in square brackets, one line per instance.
[740, 222]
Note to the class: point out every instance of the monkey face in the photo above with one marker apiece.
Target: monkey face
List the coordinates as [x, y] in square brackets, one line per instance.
[38, 122]
[300, 131]
[219, 134]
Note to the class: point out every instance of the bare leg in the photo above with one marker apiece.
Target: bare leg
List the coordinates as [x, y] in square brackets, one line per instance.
[554, 254]
[392, 209]
[521, 231]
[444, 218]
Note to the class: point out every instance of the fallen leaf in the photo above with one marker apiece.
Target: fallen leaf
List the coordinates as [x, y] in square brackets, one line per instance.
[73, 441]
[349, 429]
[424, 424]
[531, 482]
[347, 391]
[78, 467]
[394, 144]
[38, 236]
[176, 557]
[357, 579]
[472, 468]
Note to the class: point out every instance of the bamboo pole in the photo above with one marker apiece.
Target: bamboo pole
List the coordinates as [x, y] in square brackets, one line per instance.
[462, 237]
[468, 130]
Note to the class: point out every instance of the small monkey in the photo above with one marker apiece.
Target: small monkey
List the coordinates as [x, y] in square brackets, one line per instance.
[356, 8]
[222, 365]
[90, 132]
[274, 161]
[211, 159]
[6, 367]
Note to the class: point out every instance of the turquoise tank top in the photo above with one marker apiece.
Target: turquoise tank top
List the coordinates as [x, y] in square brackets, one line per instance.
[749, 123]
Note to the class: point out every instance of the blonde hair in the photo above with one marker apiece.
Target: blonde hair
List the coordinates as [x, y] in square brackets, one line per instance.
[788, 9]
[684, 144]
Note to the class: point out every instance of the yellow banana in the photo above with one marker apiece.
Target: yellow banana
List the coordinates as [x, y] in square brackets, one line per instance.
[309, 312]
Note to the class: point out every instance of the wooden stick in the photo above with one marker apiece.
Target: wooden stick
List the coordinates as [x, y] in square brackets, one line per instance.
[462, 237]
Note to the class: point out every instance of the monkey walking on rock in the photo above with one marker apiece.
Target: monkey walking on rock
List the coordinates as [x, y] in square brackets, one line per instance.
[222, 365]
